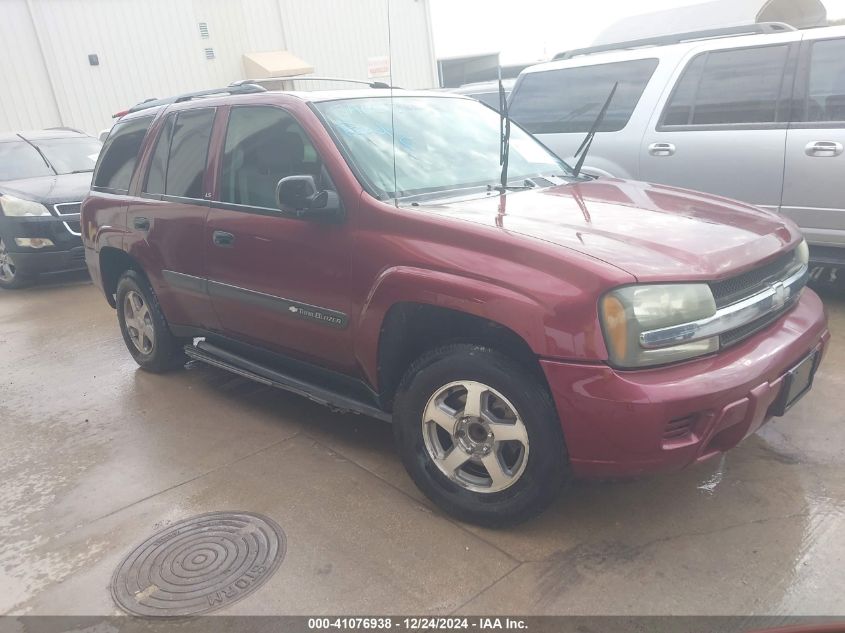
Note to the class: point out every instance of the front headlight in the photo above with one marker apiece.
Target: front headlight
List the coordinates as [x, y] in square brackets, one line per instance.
[628, 312]
[15, 207]
[802, 253]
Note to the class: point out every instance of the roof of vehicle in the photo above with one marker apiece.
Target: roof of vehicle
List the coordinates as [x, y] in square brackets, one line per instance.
[313, 96]
[41, 135]
[482, 87]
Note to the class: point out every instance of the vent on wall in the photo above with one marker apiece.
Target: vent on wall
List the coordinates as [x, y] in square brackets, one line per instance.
[209, 53]
[203, 30]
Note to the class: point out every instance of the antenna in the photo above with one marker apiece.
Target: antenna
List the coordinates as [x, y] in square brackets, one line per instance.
[392, 120]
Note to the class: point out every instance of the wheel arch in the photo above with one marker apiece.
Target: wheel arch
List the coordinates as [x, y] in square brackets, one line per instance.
[113, 263]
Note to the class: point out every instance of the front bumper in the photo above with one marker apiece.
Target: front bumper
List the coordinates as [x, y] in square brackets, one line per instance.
[628, 423]
[66, 254]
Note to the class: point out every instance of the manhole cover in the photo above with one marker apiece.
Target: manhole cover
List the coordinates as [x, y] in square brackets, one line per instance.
[200, 564]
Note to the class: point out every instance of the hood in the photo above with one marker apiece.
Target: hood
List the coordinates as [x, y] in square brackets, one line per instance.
[653, 232]
[49, 189]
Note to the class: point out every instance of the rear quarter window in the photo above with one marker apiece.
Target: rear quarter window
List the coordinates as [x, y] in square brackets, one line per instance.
[120, 155]
[568, 100]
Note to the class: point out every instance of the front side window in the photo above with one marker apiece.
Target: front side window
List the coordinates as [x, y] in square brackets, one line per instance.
[570, 99]
[19, 159]
[826, 88]
[188, 154]
[120, 153]
[263, 145]
[441, 143]
[732, 87]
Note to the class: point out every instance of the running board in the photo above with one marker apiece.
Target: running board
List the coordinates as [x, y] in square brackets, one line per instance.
[211, 354]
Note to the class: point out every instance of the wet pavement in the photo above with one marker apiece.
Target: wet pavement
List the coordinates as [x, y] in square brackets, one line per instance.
[97, 455]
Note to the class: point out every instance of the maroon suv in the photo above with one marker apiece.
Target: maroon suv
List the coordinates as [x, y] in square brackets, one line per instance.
[359, 249]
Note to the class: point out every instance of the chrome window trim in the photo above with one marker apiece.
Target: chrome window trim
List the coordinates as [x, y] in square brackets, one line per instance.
[733, 316]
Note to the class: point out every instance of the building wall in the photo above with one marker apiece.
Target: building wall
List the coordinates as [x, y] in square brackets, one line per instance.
[153, 48]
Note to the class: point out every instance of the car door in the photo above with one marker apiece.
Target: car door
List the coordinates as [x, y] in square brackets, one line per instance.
[723, 127]
[167, 219]
[813, 190]
[277, 281]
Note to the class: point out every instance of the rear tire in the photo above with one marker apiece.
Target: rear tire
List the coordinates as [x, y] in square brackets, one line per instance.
[10, 277]
[144, 328]
[511, 458]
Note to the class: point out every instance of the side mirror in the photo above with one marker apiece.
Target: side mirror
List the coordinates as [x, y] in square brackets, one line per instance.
[299, 194]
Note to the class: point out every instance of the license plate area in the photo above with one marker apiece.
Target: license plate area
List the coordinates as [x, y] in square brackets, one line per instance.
[796, 383]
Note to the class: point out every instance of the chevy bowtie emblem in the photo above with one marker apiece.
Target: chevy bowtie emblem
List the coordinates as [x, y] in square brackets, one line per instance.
[293, 309]
[779, 297]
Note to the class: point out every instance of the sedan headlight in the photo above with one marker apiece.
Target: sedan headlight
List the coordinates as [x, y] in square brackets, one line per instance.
[15, 207]
[629, 311]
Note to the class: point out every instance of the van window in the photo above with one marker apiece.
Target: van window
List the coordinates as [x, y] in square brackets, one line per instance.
[569, 99]
[729, 87]
[188, 153]
[119, 155]
[158, 164]
[263, 145]
[826, 89]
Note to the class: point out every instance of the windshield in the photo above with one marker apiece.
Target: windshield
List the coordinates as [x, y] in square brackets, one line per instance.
[19, 159]
[441, 144]
[69, 155]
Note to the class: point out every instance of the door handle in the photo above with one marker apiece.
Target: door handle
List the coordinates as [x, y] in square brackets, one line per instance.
[661, 149]
[221, 238]
[823, 149]
[140, 223]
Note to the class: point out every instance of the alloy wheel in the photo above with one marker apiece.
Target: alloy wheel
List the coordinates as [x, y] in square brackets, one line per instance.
[7, 264]
[139, 322]
[475, 436]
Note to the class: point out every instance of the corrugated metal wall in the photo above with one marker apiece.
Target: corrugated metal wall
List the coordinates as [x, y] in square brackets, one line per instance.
[153, 48]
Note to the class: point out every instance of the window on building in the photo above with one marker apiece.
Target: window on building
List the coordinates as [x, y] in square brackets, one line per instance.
[188, 153]
[740, 86]
[120, 154]
[826, 88]
[263, 145]
[569, 99]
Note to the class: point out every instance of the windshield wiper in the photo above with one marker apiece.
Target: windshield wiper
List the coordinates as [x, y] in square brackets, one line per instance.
[82, 171]
[40, 153]
[504, 138]
[584, 148]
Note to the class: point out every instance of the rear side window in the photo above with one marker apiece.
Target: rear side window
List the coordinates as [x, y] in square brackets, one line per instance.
[120, 154]
[263, 145]
[188, 154]
[158, 164]
[742, 86]
[826, 88]
[569, 99]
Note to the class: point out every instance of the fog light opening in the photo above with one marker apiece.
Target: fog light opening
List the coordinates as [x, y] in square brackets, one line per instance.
[33, 242]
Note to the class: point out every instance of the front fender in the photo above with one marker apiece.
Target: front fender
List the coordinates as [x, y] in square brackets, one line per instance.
[527, 317]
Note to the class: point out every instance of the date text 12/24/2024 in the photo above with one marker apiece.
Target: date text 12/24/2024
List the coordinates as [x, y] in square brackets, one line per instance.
[416, 623]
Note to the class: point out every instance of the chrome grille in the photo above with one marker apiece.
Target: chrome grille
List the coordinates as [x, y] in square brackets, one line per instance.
[738, 288]
[68, 208]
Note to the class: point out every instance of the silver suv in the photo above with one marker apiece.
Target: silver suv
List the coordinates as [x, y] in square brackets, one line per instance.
[758, 118]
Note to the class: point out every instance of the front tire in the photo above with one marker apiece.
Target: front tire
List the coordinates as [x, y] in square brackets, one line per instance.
[10, 277]
[479, 435]
[144, 328]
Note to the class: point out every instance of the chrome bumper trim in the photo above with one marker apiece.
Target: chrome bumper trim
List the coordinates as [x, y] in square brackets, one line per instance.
[772, 299]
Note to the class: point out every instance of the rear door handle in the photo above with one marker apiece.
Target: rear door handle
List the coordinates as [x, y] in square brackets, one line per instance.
[823, 149]
[140, 223]
[661, 149]
[221, 238]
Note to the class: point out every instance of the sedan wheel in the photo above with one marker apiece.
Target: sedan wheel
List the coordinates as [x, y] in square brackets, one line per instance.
[7, 264]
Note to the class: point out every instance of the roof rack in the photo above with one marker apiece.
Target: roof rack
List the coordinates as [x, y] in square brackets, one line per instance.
[678, 38]
[371, 84]
[244, 87]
